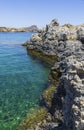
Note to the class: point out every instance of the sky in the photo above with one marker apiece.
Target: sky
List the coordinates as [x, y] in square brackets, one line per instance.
[24, 13]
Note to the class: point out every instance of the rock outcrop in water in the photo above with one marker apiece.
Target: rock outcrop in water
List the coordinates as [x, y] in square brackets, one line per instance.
[32, 28]
[67, 43]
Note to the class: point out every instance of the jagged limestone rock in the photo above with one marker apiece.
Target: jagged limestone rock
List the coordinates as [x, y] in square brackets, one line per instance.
[67, 43]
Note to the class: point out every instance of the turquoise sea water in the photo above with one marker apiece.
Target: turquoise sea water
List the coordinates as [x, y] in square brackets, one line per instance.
[22, 80]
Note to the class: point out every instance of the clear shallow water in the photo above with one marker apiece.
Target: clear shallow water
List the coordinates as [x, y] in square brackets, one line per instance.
[22, 80]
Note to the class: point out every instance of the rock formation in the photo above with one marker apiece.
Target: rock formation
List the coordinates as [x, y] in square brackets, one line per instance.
[67, 43]
[32, 28]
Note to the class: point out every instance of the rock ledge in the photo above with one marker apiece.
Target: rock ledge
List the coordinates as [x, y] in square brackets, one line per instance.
[67, 43]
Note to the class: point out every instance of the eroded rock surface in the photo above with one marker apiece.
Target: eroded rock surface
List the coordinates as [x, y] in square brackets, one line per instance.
[66, 42]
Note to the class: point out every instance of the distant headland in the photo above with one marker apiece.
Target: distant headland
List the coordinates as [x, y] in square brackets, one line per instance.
[32, 28]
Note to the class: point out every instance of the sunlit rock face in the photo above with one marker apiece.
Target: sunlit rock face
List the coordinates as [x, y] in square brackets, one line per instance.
[67, 43]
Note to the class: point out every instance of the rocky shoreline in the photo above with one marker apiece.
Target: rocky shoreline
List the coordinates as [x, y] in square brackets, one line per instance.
[65, 45]
[32, 28]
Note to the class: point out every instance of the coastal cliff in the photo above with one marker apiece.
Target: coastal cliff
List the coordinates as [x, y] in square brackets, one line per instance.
[32, 28]
[64, 45]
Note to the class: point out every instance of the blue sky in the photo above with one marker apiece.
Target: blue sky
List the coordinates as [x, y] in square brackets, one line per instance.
[21, 13]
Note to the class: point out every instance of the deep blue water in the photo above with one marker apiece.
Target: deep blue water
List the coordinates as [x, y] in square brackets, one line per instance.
[22, 80]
